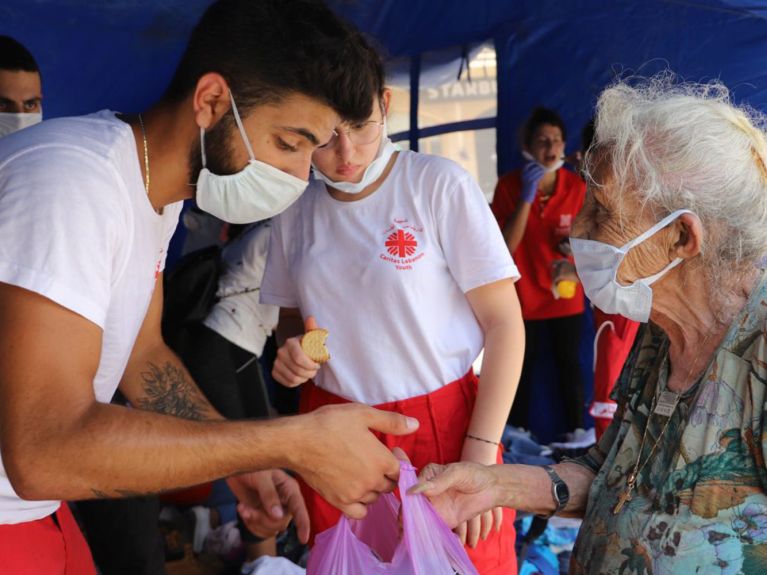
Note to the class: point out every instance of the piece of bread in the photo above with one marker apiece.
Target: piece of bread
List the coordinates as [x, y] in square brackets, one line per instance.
[313, 344]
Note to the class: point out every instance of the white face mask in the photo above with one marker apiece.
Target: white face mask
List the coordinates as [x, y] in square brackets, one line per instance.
[560, 162]
[385, 150]
[258, 192]
[597, 265]
[10, 123]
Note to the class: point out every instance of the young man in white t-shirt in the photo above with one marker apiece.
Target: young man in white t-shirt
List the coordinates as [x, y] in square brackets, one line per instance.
[87, 207]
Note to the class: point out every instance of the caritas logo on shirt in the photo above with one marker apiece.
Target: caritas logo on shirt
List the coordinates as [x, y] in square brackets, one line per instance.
[400, 242]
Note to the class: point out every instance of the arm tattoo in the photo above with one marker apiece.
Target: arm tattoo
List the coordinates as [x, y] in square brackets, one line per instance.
[168, 391]
[122, 493]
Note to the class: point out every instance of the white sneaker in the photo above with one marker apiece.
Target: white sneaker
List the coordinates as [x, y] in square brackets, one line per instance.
[583, 437]
[267, 565]
[223, 539]
[201, 527]
[577, 439]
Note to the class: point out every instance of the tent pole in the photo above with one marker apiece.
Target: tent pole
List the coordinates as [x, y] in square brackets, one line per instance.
[504, 134]
[415, 80]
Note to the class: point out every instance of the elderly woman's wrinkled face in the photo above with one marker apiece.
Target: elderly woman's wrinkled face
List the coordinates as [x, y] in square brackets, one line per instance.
[616, 221]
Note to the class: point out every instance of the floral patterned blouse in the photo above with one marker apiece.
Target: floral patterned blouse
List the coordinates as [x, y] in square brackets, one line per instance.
[700, 502]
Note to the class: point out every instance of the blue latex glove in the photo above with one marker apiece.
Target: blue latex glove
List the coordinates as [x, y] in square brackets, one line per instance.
[532, 174]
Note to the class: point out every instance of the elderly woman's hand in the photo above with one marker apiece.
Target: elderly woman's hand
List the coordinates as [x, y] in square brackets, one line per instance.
[459, 491]
[471, 531]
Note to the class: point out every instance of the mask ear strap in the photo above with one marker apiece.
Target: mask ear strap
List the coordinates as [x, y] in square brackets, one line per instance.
[241, 127]
[655, 229]
[384, 137]
[202, 146]
[655, 277]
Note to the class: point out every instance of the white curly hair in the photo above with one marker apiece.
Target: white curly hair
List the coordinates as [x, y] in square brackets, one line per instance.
[684, 145]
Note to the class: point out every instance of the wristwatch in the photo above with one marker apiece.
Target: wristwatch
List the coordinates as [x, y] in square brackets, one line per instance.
[559, 489]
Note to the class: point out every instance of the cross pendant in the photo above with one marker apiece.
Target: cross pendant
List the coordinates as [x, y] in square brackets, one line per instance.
[624, 497]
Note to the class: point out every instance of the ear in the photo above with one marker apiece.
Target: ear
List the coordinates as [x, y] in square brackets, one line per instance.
[210, 99]
[689, 238]
[386, 100]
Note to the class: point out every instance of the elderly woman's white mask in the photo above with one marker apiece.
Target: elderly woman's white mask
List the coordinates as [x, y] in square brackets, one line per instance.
[597, 264]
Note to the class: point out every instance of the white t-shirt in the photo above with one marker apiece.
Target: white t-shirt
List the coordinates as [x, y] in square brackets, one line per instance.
[387, 276]
[76, 226]
[239, 316]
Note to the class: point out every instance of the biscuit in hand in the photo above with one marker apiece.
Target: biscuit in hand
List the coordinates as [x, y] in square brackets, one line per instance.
[313, 344]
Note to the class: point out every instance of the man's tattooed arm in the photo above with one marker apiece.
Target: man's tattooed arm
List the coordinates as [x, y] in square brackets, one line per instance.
[161, 385]
[159, 382]
[168, 389]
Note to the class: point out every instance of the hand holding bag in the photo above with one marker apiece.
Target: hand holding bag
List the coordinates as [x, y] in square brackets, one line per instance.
[373, 545]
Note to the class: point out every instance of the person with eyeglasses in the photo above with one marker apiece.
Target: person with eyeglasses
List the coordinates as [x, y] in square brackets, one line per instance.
[398, 256]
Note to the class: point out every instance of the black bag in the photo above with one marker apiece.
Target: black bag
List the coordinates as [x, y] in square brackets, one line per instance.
[190, 288]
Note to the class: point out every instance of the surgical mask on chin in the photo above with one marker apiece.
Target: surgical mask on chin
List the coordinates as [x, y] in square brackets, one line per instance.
[258, 192]
[560, 162]
[597, 265]
[385, 150]
[10, 123]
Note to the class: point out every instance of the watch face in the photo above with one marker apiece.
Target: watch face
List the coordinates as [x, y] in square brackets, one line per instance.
[561, 491]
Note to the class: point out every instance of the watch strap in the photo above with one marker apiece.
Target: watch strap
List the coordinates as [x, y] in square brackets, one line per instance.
[557, 486]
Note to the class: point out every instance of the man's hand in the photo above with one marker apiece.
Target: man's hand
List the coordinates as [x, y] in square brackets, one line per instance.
[336, 453]
[292, 367]
[268, 500]
[459, 491]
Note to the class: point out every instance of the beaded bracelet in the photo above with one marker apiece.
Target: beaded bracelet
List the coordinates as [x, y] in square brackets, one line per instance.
[474, 437]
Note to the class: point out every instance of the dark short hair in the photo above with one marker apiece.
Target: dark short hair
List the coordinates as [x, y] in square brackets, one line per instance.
[376, 70]
[14, 56]
[539, 117]
[268, 49]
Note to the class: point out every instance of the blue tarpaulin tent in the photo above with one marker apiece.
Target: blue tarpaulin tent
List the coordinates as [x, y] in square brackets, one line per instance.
[119, 54]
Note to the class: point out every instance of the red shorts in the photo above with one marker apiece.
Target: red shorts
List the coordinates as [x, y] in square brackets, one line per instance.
[53, 545]
[444, 416]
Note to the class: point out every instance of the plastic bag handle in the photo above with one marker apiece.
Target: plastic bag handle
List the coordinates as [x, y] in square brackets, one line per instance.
[418, 516]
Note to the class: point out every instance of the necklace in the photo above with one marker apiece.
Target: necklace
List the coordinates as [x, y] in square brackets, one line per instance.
[664, 404]
[669, 404]
[146, 153]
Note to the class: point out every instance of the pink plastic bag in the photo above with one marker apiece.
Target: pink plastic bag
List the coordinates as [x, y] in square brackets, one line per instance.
[372, 546]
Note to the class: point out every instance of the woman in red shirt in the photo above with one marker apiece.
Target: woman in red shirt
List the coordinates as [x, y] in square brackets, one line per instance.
[535, 207]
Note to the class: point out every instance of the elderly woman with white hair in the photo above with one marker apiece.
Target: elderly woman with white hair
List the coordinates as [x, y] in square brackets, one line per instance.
[673, 231]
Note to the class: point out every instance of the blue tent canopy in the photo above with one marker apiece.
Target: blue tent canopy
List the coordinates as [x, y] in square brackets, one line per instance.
[120, 54]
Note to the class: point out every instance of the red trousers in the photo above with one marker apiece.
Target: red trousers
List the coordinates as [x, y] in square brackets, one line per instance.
[444, 416]
[53, 545]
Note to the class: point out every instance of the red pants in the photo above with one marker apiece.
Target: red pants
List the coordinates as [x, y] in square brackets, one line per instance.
[52, 545]
[444, 416]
